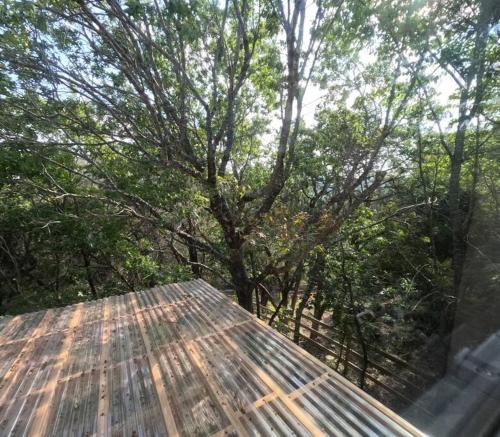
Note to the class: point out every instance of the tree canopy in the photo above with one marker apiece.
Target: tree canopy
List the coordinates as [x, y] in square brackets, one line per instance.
[337, 156]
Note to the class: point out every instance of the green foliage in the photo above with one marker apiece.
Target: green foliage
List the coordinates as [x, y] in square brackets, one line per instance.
[107, 133]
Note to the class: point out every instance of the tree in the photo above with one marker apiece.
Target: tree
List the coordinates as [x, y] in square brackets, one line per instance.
[464, 50]
[185, 74]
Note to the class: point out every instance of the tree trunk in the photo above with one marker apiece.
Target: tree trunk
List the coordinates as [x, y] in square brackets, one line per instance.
[298, 278]
[242, 284]
[298, 315]
[234, 240]
[318, 311]
[88, 271]
[264, 298]
[454, 194]
[458, 212]
[193, 260]
[293, 304]
[257, 306]
[315, 280]
[282, 302]
[193, 252]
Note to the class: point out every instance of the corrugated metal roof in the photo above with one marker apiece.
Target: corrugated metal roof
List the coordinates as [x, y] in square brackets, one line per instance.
[180, 359]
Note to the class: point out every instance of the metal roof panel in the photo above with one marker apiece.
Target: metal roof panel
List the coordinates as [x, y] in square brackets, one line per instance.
[178, 359]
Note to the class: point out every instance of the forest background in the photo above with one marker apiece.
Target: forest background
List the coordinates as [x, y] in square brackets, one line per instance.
[335, 157]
